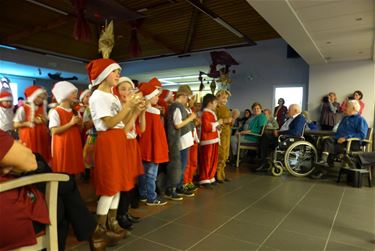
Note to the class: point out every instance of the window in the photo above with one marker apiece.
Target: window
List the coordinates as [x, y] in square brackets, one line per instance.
[291, 95]
[14, 88]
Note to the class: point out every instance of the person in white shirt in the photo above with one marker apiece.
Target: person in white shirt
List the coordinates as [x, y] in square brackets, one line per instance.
[180, 139]
[6, 111]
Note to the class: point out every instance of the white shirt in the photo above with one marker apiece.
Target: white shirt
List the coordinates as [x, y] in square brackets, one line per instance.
[285, 126]
[20, 115]
[54, 117]
[186, 140]
[6, 119]
[103, 104]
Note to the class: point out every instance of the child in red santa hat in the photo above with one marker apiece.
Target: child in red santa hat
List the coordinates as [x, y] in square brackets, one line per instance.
[109, 177]
[6, 112]
[134, 126]
[31, 122]
[209, 145]
[154, 147]
[65, 125]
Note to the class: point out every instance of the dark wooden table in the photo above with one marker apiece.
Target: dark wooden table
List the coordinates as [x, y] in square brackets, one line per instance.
[319, 133]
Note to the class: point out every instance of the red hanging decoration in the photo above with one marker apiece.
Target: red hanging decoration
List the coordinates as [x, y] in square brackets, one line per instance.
[135, 49]
[81, 28]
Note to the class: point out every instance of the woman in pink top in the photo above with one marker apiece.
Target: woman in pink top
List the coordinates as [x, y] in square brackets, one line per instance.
[357, 95]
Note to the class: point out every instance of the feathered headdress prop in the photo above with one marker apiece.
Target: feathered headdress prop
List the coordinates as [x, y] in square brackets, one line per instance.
[107, 40]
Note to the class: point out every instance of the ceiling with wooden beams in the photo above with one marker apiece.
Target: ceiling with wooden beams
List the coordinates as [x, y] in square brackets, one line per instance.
[169, 26]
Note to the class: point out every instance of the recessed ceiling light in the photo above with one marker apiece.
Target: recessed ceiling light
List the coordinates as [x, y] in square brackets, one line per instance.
[358, 19]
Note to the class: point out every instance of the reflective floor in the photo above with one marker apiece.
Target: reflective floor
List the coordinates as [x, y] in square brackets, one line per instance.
[257, 212]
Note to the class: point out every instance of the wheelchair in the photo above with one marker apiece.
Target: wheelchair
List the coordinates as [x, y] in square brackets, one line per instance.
[295, 155]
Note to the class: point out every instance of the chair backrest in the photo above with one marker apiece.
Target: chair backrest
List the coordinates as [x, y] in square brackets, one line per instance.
[262, 131]
[370, 132]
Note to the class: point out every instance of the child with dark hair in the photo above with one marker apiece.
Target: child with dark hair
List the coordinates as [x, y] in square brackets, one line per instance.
[209, 146]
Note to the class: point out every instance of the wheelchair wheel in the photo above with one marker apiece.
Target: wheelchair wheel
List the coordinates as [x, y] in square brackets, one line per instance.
[277, 170]
[300, 157]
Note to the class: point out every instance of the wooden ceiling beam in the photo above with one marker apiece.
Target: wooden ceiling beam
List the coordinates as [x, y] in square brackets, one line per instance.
[36, 29]
[192, 29]
[149, 35]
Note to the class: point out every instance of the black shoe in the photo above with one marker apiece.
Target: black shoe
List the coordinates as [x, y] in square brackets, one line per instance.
[173, 196]
[124, 222]
[133, 219]
[184, 193]
[219, 181]
[227, 180]
[215, 183]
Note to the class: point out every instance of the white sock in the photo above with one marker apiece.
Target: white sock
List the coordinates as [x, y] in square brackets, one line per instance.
[104, 204]
[115, 201]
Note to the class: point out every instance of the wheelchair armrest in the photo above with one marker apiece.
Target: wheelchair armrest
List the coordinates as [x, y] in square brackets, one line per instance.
[353, 139]
[285, 136]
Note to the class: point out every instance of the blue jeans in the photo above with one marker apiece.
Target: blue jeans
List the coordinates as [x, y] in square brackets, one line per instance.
[184, 159]
[147, 181]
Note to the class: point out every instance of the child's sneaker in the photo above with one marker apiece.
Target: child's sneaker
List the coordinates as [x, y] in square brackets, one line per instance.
[143, 199]
[173, 196]
[184, 192]
[156, 202]
[191, 187]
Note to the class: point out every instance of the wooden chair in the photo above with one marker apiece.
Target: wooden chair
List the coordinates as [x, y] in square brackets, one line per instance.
[247, 145]
[49, 240]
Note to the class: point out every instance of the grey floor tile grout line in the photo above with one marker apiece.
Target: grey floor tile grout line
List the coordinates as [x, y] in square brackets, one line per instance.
[127, 243]
[334, 219]
[234, 216]
[183, 215]
[283, 219]
[161, 244]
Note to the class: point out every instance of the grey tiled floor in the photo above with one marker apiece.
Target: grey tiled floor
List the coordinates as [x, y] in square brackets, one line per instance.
[260, 212]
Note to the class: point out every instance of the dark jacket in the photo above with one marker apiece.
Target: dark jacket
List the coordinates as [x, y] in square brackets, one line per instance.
[296, 127]
[174, 135]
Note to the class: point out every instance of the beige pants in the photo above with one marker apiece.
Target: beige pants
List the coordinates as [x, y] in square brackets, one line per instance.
[223, 154]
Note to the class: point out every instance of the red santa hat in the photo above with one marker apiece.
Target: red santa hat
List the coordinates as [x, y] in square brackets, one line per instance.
[155, 82]
[165, 95]
[149, 91]
[99, 69]
[61, 90]
[32, 92]
[84, 93]
[6, 96]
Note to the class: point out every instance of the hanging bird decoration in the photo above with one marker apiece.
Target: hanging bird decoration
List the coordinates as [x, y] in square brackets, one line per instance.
[221, 58]
[213, 86]
[106, 40]
[224, 77]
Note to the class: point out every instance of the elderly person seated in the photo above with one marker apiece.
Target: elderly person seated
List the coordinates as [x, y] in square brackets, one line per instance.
[256, 124]
[271, 121]
[293, 127]
[353, 125]
[235, 121]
